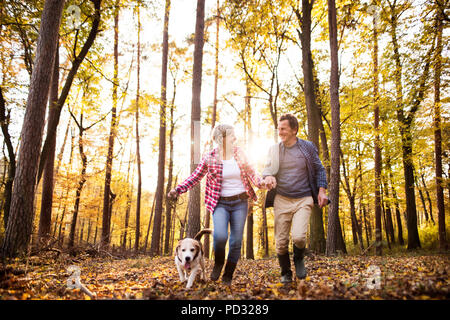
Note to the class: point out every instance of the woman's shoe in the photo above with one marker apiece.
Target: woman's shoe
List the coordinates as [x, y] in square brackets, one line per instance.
[219, 258]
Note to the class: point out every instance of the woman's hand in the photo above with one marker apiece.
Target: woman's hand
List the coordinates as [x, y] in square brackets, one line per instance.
[270, 182]
[173, 194]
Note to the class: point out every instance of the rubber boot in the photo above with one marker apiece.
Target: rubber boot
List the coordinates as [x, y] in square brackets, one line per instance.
[219, 258]
[285, 265]
[228, 273]
[299, 262]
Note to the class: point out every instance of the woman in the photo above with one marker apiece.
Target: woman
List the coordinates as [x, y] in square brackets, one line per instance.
[228, 177]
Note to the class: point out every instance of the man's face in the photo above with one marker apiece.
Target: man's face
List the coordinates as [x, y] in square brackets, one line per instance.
[285, 132]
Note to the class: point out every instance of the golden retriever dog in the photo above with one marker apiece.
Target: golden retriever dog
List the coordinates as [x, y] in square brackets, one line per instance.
[189, 258]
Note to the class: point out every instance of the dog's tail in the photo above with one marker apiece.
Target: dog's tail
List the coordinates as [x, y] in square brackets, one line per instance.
[199, 235]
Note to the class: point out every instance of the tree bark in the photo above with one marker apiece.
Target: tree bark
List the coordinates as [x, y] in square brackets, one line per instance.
[47, 186]
[438, 135]
[194, 194]
[334, 238]
[405, 120]
[377, 146]
[4, 120]
[248, 124]
[106, 217]
[128, 207]
[156, 234]
[20, 222]
[138, 152]
[317, 234]
[81, 182]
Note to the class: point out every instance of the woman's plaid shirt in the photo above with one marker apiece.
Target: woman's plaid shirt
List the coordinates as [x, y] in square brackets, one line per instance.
[212, 166]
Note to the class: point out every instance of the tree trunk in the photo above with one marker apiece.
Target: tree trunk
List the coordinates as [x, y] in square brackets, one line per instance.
[387, 202]
[427, 193]
[149, 224]
[317, 234]
[334, 238]
[138, 153]
[421, 196]
[194, 194]
[128, 207]
[156, 234]
[206, 242]
[106, 218]
[80, 183]
[248, 125]
[171, 207]
[47, 186]
[20, 221]
[377, 146]
[406, 138]
[62, 227]
[438, 134]
[4, 121]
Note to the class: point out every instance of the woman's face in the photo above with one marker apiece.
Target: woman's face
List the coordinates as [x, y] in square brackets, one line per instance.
[230, 140]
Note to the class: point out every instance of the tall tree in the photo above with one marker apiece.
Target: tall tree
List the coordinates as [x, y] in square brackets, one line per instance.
[334, 230]
[437, 130]
[83, 157]
[406, 108]
[317, 238]
[106, 218]
[47, 184]
[20, 222]
[248, 124]
[377, 146]
[194, 193]
[4, 123]
[156, 234]
[76, 63]
[206, 243]
[138, 151]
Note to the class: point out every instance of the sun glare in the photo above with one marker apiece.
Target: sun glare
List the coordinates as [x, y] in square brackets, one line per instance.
[257, 151]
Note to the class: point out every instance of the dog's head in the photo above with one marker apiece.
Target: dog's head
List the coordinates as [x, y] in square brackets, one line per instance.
[187, 251]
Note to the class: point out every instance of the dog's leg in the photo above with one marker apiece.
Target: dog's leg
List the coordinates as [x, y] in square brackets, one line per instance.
[192, 278]
[181, 272]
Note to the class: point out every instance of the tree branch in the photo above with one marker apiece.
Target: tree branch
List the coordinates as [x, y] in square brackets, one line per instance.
[51, 130]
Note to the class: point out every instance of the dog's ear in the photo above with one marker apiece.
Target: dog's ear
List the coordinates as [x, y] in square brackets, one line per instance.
[198, 247]
[178, 247]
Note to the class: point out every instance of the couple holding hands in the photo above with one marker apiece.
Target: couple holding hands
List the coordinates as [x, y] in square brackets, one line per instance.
[295, 177]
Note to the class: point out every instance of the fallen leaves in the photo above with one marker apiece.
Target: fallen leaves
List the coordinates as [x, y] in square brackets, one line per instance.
[348, 277]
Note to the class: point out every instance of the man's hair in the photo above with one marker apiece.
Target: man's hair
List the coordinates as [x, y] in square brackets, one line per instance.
[293, 122]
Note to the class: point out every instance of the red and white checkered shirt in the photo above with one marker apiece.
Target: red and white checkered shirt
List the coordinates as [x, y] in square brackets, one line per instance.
[212, 166]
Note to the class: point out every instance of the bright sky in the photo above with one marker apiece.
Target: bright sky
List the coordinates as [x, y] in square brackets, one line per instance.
[181, 26]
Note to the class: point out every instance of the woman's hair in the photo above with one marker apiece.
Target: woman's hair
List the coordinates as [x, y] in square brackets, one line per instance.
[219, 133]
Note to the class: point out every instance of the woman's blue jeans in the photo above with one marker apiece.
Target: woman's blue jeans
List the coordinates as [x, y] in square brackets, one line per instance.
[229, 213]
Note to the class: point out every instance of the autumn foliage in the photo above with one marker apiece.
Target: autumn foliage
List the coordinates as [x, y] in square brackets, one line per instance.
[349, 277]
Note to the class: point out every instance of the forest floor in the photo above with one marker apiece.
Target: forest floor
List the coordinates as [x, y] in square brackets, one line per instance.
[343, 277]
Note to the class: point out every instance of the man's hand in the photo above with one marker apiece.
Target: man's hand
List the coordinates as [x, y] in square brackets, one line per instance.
[173, 194]
[322, 198]
[270, 182]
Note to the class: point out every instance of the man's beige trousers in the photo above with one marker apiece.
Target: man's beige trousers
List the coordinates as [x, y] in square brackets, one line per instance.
[291, 215]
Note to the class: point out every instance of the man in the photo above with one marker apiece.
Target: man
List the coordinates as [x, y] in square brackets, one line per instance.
[294, 171]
